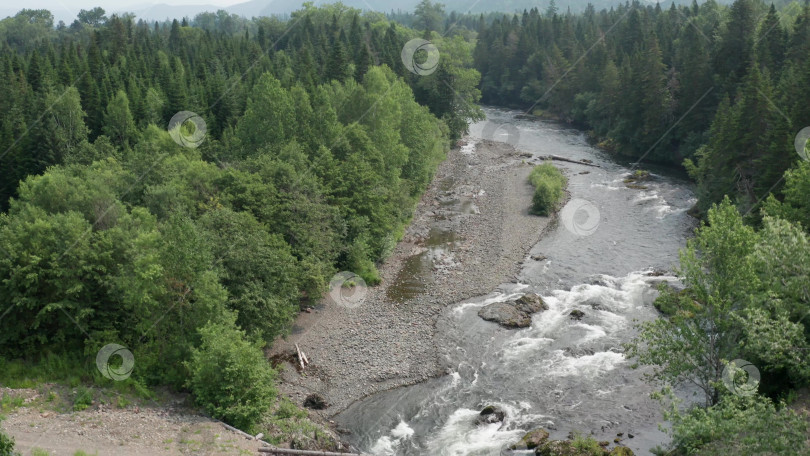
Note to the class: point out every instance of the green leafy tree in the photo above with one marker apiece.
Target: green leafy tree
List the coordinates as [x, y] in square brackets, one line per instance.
[94, 17]
[230, 377]
[691, 345]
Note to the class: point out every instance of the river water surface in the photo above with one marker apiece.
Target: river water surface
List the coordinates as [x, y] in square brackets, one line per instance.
[562, 374]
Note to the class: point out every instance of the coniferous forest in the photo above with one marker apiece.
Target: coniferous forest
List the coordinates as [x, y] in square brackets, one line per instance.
[185, 188]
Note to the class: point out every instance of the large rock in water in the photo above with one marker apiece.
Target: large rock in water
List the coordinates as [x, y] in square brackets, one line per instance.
[515, 314]
[530, 303]
[490, 414]
[505, 314]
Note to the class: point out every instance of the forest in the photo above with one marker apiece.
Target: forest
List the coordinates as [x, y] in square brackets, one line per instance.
[114, 229]
[186, 188]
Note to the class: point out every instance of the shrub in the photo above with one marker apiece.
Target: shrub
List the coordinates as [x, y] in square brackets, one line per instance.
[7, 445]
[549, 185]
[229, 376]
[740, 425]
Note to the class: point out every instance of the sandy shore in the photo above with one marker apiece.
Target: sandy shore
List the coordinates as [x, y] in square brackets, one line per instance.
[382, 343]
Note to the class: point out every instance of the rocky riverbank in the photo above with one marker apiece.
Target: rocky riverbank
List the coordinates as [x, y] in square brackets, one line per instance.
[470, 233]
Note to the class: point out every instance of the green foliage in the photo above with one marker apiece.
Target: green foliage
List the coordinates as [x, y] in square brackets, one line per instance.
[7, 445]
[743, 300]
[230, 377]
[49, 367]
[549, 190]
[117, 234]
[794, 205]
[740, 426]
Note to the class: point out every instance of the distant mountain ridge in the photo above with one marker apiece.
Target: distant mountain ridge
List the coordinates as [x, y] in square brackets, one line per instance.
[255, 8]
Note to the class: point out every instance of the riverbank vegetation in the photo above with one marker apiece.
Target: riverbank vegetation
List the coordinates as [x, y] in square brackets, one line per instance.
[722, 91]
[549, 189]
[306, 146]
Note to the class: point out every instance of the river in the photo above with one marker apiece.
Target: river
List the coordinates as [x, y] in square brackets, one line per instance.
[562, 374]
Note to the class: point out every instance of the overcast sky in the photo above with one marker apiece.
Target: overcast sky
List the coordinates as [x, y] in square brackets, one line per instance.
[67, 9]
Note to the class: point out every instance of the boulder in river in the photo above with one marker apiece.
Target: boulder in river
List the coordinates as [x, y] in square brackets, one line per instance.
[577, 314]
[490, 414]
[530, 303]
[531, 440]
[505, 314]
[515, 314]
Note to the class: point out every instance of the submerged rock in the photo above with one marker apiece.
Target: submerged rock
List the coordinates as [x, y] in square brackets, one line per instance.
[490, 414]
[516, 314]
[531, 440]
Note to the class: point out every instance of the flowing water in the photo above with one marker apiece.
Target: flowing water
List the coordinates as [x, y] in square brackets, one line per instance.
[562, 374]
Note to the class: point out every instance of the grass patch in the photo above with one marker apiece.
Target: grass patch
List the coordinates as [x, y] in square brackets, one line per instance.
[587, 446]
[83, 399]
[9, 403]
[290, 424]
[50, 367]
[549, 189]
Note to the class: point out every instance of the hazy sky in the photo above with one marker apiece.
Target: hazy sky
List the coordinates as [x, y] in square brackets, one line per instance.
[67, 9]
[110, 5]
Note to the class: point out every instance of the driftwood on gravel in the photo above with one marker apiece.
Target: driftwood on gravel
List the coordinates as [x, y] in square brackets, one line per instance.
[302, 357]
[284, 451]
[558, 158]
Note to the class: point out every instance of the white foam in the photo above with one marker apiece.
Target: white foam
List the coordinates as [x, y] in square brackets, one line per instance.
[387, 445]
[645, 197]
[498, 297]
[589, 366]
[402, 431]
[460, 436]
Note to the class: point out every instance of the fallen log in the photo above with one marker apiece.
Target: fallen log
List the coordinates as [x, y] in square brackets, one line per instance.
[558, 158]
